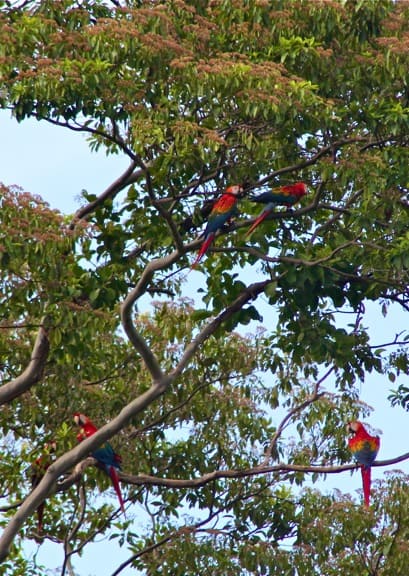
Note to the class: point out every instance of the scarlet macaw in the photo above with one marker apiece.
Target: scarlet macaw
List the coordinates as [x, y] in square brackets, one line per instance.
[107, 459]
[38, 469]
[364, 448]
[287, 195]
[223, 209]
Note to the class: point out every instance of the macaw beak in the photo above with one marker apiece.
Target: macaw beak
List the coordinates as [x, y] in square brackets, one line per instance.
[350, 428]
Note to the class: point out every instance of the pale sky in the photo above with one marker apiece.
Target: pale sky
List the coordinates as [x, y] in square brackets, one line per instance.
[53, 162]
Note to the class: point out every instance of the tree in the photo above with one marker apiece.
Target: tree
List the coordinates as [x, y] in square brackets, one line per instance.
[217, 429]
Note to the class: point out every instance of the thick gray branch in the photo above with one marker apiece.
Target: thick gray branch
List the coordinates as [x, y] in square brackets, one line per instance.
[134, 336]
[32, 373]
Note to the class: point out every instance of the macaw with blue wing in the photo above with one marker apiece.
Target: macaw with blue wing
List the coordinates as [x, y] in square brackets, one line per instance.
[364, 448]
[106, 457]
[223, 210]
[287, 195]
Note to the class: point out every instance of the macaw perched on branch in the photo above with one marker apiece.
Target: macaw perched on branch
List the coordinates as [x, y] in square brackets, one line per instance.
[364, 448]
[223, 209]
[107, 459]
[38, 469]
[287, 195]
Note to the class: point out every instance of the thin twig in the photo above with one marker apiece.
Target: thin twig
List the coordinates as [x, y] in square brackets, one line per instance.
[316, 395]
[110, 192]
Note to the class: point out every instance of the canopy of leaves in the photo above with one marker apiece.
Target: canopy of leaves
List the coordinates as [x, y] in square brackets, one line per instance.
[217, 428]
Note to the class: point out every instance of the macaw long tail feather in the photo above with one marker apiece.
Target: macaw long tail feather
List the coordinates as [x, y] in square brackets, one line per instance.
[366, 483]
[40, 516]
[115, 482]
[257, 221]
[35, 481]
[203, 249]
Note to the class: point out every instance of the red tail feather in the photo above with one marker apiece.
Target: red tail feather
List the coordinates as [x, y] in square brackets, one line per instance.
[257, 221]
[203, 249]
[115, 481]
[366, 483]
[40, 516]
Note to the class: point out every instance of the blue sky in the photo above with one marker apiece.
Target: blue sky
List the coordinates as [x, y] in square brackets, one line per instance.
[57, 164]
[53, 162]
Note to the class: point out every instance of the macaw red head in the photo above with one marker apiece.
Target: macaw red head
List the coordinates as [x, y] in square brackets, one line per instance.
[87, 427]
[300, 189]
[354, 427]
[363, 430]
[236, 190]
[81, 419]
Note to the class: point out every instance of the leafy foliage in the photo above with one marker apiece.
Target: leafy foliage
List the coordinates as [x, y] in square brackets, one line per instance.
[217, 428]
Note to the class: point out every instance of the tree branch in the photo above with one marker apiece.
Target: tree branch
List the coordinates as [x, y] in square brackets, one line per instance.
[170, 536]
[299, 408]
[34, 370]
[142, 286]
[304, 164]
[166, 215]
[395, 342]
[68, 550]
[83, 128]
[338, 214]
[145, 479]
[250, 293]
[300, 261]
[110, 192]
[178, 483]
[134, 336]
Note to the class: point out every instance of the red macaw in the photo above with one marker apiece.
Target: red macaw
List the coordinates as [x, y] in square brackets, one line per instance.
[38, 469]
[287, 195]
[223, 209]
[364, 448]
[107, 459]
